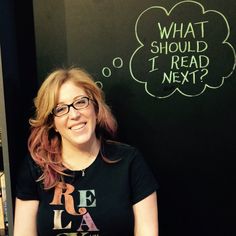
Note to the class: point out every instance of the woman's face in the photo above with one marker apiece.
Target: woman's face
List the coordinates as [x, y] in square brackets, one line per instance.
[77, 128]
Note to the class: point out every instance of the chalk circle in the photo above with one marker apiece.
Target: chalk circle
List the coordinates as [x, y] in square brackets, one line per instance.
[116, 61]
[99, 84]
[106, 71]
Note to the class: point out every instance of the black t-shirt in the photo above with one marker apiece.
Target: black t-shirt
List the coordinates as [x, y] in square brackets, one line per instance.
[96, 204]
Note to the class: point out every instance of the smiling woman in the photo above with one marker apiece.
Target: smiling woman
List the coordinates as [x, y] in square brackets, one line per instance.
[75, 176]
[77, 127]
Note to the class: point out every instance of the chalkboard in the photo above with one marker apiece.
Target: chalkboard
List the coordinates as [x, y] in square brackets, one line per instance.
[168, 72]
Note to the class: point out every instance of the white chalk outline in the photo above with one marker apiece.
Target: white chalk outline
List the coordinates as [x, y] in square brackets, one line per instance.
[99, 84]
[168, 13]
[114, 64]
[109, 70]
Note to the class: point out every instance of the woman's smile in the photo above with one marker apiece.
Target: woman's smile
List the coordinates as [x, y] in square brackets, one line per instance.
[80, 123]
[78, 126]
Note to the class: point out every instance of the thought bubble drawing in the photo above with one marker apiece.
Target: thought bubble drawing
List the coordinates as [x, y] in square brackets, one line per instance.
[181, 50]
[117, 62]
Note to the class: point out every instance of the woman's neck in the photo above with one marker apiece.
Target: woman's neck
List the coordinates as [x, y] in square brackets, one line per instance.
[80, 157]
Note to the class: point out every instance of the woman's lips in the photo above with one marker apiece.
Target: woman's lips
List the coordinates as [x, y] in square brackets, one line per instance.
[78, 127]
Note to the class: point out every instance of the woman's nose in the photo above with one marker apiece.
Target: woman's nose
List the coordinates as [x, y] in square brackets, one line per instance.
[73, 113]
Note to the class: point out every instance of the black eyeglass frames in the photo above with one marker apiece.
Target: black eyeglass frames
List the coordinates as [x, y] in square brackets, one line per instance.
[78, 104]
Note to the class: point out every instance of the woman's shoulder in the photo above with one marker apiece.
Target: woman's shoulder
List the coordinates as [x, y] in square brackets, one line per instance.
[119, 146]
[117, 150]
[30, 164]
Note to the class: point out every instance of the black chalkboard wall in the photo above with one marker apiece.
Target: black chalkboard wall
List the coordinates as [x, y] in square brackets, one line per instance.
[168, 71]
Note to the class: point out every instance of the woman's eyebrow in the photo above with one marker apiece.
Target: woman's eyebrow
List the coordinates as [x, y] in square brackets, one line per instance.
[75, 98]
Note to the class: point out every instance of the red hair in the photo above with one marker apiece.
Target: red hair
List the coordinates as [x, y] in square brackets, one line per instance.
[44, 143]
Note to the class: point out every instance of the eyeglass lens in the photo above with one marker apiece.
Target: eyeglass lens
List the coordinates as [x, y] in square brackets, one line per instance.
[78, 104]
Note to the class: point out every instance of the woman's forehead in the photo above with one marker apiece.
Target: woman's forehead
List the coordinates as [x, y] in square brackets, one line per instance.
[69, 91]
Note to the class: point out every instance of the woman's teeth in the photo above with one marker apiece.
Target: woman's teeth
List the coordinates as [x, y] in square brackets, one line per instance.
[77, 127]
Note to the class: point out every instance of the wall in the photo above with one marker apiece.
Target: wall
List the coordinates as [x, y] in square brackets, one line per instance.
[17, 87]
[176, 107]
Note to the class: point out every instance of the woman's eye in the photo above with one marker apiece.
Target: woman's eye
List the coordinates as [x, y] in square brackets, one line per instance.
[80, 103]
[61, 109]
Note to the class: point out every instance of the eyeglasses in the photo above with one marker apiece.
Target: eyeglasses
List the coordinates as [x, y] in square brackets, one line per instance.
[78, 104]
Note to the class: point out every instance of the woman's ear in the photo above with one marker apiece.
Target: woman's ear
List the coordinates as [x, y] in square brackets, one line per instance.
[54, 127]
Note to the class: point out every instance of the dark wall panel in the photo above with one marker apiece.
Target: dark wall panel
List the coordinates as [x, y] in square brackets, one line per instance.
[168, 71]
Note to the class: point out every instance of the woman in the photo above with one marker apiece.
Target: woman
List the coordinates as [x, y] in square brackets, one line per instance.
[75, 181]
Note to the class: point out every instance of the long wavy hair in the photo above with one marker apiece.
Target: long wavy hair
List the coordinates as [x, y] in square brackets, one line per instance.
[44, 142]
